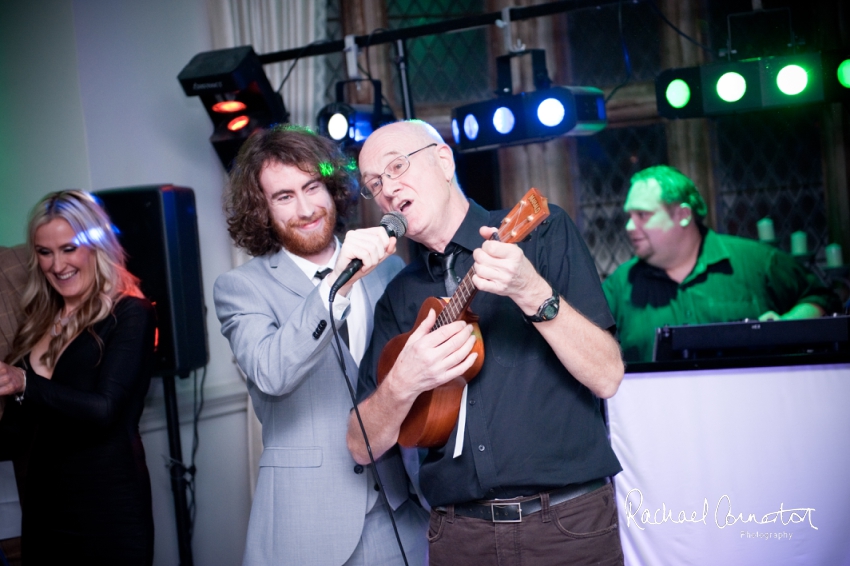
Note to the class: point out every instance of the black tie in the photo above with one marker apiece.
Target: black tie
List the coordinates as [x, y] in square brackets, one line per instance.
[447, 260]
[343, 328]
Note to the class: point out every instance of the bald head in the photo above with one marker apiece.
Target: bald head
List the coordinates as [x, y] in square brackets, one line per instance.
[415, 131]
[426, 193]
[403, 138]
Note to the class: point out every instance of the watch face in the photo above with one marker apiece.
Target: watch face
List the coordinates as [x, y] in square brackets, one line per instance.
[549, 311]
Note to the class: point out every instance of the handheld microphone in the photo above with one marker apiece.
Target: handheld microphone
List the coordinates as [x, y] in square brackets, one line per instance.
[395, 224]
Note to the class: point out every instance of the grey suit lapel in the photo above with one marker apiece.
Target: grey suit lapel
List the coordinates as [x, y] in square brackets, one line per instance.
[284, 270]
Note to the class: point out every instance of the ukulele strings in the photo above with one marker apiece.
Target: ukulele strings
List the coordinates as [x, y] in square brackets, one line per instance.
[466, 289]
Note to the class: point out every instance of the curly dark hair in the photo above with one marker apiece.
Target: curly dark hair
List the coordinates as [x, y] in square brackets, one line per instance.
[249, 220]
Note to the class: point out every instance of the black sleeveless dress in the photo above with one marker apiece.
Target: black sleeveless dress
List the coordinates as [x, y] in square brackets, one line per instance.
[87, 496]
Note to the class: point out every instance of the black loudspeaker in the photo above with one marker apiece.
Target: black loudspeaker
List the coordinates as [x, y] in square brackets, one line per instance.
[158, 227]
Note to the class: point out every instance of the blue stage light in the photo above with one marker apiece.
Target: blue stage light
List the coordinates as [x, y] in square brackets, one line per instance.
[362, 128]
[530, 117]
[550, 112]
[503, 120]
[351, 124]
[470, 126]
[455, 131]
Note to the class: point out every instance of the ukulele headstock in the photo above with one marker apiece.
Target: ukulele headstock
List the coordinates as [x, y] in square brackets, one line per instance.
[527, 215]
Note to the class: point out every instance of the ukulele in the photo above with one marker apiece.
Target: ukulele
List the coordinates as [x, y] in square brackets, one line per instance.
[434, 413]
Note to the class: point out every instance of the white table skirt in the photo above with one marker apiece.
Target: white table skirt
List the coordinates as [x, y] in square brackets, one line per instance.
[734, 466]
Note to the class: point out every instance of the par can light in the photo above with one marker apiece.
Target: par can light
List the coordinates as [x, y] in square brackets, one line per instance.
[792, 79]
[238, 123]
[229, 106]
[671, 85]
[529, 117]
[843, 73]
[350, 124]
[551, 112]
[678, 93]
[470, 127]
[503, 120]
[231, 81]
[731, 86]
[753, 84]
[337, 127]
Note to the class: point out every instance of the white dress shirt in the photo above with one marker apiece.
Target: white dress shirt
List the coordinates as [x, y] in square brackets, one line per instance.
[351, 308]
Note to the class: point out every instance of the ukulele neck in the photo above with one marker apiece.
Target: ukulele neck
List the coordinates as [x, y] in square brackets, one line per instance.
[531, 210]
[458, 303]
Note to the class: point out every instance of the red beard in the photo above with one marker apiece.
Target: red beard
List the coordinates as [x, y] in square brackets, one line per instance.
[312, 244]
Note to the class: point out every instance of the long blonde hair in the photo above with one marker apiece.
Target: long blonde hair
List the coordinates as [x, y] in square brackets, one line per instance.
[42, 304]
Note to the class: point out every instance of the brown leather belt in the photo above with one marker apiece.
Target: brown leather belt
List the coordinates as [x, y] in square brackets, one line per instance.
[513, 510]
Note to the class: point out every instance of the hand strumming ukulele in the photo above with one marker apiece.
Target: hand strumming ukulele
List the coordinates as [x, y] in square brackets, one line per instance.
[434, 413]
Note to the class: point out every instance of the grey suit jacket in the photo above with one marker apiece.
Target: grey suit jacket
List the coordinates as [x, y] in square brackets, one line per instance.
[311, 496]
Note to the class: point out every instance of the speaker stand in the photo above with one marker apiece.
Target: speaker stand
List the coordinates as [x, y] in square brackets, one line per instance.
[178, 472]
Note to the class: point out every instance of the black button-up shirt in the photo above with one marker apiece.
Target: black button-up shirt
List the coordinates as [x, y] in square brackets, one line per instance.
[531, 426]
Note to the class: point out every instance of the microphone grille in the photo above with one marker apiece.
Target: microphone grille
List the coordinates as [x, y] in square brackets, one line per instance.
[395, 223]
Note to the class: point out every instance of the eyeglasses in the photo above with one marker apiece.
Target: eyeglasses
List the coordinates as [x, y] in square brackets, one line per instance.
[370, 188]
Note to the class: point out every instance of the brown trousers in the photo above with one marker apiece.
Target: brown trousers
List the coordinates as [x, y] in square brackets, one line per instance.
[579, 531]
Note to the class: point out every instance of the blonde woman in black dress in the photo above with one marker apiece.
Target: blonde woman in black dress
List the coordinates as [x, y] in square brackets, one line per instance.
[79, 370]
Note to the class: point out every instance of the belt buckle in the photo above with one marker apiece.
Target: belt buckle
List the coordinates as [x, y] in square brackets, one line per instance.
[504, 506]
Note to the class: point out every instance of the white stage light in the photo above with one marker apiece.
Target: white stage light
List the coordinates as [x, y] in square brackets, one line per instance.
[503, 120]
[470, 126]
[550, 112]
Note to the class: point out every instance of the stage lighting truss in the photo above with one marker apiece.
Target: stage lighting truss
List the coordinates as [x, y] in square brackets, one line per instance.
[753, 84]
[528, 117]
[236, 94]
[350, 124]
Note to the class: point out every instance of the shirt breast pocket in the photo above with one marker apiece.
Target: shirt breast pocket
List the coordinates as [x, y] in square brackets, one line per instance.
[512, 341]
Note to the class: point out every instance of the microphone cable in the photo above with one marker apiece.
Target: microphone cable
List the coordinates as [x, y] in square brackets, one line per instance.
[341, 359]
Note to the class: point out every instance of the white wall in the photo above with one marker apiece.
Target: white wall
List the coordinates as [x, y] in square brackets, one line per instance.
[141, 128]
[42, 135]
[96, 104]
[223, 501]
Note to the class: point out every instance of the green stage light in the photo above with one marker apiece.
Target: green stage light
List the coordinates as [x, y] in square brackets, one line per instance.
[731, 87]
[792, 79]
[678, 93]
[844, 73]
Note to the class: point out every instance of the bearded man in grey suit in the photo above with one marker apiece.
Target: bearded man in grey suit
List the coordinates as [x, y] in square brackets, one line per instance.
[313, 505]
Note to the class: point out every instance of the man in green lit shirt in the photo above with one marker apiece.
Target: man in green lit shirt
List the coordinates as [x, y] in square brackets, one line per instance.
[685, 273]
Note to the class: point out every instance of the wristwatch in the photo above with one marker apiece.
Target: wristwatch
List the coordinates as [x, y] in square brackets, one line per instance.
[548, 310]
